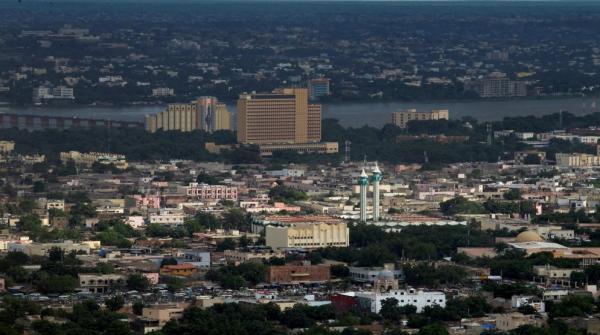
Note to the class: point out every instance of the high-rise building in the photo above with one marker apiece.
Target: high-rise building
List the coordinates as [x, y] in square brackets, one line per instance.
[318, 88]
[401, 118]
[284, 116]
[206, 113]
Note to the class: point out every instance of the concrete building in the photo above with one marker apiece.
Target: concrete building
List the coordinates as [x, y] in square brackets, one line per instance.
[510, 321]
[313, 148]
[318, 88]
[308, 235]
[48, 94]
[88, 159]
[198, 258]
[577, 160]
[101, 283]
[298, 274]
[55, 204]
[161, 314]
[371, 275]
[386, 286]
[237, 256]
[42, 249]
[497, 85]
[212, 192]
[284, 116]
[6, 147]
[169, 217]
[401, 118]
[180, 270]
[163, 92]
[206, 113]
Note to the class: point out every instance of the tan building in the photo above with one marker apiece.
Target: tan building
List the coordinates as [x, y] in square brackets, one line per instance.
[308, 235]
[296, 274]
[510, 321]
[577, 159]
[7, 146]
[237, 256]
[101, 283]
[162, 314]
[206, 113]
[284, 116]
[402, 118]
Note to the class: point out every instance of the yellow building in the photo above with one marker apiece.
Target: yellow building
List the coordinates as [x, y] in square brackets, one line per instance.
[181, 270]
[206, 113]
[308, 235]
[402, 118]
[577, 159]
[284, 116]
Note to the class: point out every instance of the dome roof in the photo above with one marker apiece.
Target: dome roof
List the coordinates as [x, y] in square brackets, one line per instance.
[528, 236]
[386, 275]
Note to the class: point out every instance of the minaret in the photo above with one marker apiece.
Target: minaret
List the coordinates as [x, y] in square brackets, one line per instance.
[375, 179]
[363, 181]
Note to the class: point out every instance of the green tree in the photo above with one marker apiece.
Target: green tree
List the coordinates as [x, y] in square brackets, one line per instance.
[461, 205]
[138, 282]
[433, 329]
[390, 310]
[138, 307]
[513, 194]
[114, 303]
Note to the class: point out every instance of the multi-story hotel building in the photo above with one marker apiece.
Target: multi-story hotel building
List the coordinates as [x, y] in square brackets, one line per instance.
[401, 118]
[281, 121]
[284, 116]
[206, 113]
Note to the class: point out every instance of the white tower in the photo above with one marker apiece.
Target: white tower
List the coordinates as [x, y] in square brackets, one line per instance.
[375, 179]
[363, 181]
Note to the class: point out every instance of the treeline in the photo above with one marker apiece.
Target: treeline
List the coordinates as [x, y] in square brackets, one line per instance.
[372, 246]
[561, 120]
[135, 144]
[376, 143]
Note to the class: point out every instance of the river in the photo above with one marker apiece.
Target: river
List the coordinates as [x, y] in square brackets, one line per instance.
[349, 113]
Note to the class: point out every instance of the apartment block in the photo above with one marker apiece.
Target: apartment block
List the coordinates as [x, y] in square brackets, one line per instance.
[401, 118]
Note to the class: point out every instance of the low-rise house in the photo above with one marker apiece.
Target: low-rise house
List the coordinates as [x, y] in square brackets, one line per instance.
[161, 314]
[510, 321]
[180, 270]
[297, 274]
[101, 283]
[42, 249]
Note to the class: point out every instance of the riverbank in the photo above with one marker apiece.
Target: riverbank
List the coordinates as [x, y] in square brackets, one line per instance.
[350, 114]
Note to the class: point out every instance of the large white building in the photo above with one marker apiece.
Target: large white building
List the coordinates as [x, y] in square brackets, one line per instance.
[308, 235]
[386, 287]
[168, 217]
